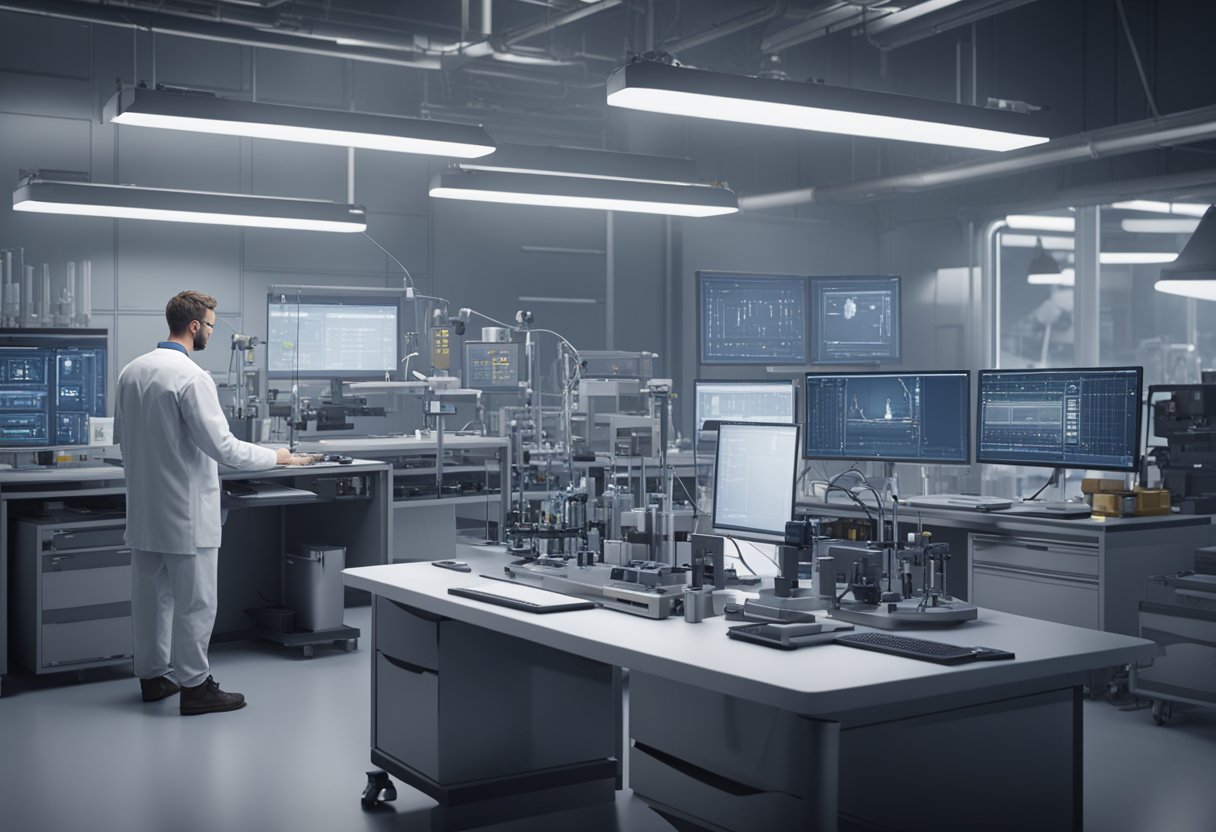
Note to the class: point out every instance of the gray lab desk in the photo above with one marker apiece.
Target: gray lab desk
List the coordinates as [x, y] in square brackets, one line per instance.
[473, 702]
[256, 534]
[1088, 572]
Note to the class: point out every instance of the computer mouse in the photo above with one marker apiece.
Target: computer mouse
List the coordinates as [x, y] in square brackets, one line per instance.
[457, 565]
[341, 459]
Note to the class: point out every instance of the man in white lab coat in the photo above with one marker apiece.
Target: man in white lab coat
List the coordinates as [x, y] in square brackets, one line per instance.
[168, 420]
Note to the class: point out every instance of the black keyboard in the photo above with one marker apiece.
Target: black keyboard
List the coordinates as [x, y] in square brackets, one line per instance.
[919, 648]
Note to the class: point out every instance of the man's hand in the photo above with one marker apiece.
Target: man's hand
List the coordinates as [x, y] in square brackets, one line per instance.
[286, 457]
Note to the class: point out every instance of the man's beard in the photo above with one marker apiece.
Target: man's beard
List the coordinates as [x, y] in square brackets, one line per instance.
[200, 343]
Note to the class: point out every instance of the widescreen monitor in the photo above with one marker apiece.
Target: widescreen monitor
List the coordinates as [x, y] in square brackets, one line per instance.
[744, 401]
[1087, 418]
[855, 320]
[493, 365]
[51, 382]
[752, 319]
[316, 336]
[889, 417]
[754, 479]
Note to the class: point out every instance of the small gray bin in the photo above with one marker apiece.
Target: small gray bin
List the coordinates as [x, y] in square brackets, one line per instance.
[312, 586]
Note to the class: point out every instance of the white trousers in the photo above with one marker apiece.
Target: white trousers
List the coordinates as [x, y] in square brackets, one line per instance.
[173, 602]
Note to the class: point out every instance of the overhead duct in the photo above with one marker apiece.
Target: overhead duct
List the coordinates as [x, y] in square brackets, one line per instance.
[1179, 128]
[727, 27]
[932, 17]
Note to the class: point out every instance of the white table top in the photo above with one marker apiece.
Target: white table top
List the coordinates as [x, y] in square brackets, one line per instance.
[96, 473]
[822, 679]
[390, 444]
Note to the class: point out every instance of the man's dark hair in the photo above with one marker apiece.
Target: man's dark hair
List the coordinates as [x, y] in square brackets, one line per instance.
[185, 307]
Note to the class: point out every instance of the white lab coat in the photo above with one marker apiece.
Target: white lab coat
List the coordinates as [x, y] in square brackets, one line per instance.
[168, 420]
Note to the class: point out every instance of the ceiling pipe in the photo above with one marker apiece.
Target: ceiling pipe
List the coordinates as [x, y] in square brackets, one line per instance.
[234, 29]
[726, 27]
[918, 22]
[1120, 139]
[818, 23]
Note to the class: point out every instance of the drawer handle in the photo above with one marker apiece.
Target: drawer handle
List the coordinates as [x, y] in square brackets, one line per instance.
[416, 669]
[1038, 547]
[709, 778]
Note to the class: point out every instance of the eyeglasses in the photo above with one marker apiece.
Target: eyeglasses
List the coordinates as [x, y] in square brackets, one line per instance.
[208, 324]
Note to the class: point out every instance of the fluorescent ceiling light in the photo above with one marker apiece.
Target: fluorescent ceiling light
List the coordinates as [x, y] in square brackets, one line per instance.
[1182, 209]
[1193, 273]
[208, 114]
[1034, 222]
[1065, 277]
[1135, 257]
[132, 203]
[1031, 241]
[1159, 226]
[661, 88]
[578, 192]
[593, 164]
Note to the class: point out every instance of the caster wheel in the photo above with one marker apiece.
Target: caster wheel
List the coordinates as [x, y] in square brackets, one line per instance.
[308, 650]
[379, 789]
[1162, 711]
[350, 645]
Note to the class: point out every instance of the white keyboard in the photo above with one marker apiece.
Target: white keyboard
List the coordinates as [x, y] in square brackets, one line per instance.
[965, 501]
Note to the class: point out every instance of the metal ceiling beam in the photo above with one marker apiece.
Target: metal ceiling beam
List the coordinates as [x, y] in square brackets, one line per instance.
[728, 26]
[1179, 128]
[819, 22]
[917, 23]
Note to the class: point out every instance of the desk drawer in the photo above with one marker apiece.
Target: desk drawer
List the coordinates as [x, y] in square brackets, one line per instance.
[1047, 596]
[76, 642]
[71, 540]
[86, 587]
[1038, 555]
[407, 714]
[411, 636]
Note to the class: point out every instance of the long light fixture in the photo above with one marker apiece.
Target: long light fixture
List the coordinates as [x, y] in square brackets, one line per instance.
[1031, 241]
[1193, 273]
[206, 113]
[1181, 209]
[581, 192]
[132, 203]
[663, 88]
[1066, 278]
[1179, 226]
[578, 161]
[1036, 222]
[1133, 258]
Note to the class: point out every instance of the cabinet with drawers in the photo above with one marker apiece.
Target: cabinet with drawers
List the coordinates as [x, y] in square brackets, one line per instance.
[71, 593]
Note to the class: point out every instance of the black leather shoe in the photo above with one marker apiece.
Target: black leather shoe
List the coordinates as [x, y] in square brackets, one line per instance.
[157, 689]
[207, 698]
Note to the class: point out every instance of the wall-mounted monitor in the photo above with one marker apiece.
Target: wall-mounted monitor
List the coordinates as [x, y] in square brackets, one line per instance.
[312, 336]
[752, 319]
[855, 320]
[889, 417]
[744, 401]
[51, 382]
[754, 479]
[1087, 418]
[493, 365]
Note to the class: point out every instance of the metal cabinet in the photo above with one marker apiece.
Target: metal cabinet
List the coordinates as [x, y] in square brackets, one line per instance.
[1039, 578]
[71, 593]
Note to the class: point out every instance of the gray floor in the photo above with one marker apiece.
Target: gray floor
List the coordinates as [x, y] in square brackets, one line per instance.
[91, 756]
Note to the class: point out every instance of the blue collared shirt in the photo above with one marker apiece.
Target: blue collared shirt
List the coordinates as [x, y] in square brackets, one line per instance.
[172, 345]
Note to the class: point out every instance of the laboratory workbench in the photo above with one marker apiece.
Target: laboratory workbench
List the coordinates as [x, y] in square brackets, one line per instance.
[725, 735]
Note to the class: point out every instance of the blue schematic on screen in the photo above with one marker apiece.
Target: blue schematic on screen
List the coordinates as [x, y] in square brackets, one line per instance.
[856, 320]
[1061, 418]
[891, 417]
[752, 319]
[50, 384]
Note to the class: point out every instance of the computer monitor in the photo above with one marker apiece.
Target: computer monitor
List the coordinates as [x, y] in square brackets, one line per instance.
[754, 478]
[855, 320]
[1087, 418]
[493, 365]
[752, 319]
[744, 401]
[332, 336]
[51, 382]
[889, 417]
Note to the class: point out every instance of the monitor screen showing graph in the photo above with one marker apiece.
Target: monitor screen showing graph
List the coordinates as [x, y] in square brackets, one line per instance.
[856, 320]
[754, 479]
[752, 319]
[1088, 418]
[331, 337]
[51, 382]
[889, 417]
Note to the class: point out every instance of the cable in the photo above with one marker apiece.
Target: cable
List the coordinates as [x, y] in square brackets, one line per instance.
[762, 554]
[408, 276]
[696, 509]
[1127, 30]
[742, 559]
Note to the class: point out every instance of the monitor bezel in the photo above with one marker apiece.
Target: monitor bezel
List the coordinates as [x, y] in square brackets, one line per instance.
[696, 385]
[63, 333]
[701, 274]
[967, 440]
[1136, 451]
[465, 367]
[332, 299]
[745, 533]
[816, 346]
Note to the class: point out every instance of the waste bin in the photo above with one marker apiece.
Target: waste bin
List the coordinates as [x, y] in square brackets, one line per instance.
[313, 586]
